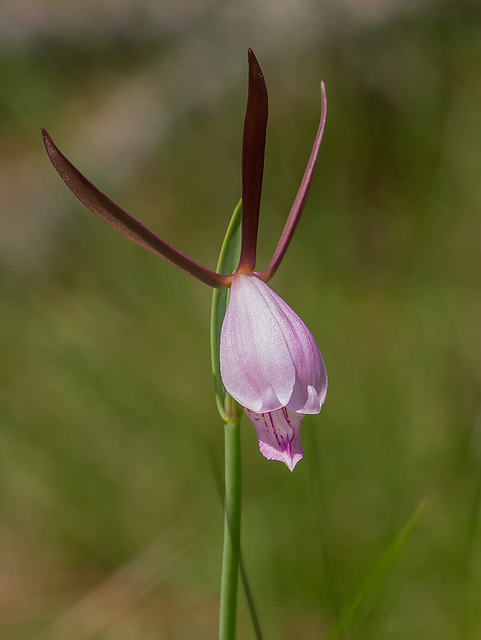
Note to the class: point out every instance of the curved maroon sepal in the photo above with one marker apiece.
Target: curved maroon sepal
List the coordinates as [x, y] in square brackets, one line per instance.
[253, 147]
[297, 207]
[118, 219]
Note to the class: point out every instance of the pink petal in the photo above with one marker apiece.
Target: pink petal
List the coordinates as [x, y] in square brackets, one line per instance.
[256, 365]
[268, 357]
[279, 435]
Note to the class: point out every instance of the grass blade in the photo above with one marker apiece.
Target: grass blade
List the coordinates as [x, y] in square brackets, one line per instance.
[377, 574]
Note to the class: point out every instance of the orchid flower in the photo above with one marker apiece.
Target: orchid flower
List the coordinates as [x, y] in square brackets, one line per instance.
[269, 361]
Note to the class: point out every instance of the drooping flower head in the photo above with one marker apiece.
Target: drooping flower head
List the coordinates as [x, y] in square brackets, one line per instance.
[269, 361]
[271, 365]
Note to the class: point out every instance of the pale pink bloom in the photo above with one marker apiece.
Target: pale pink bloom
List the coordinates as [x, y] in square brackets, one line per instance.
[269, 361]
[271, 365]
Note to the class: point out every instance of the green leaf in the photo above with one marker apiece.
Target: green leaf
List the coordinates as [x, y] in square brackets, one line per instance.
[377, 575]
[227, 263]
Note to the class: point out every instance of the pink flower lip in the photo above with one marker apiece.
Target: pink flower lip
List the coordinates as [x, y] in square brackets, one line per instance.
[279, 435]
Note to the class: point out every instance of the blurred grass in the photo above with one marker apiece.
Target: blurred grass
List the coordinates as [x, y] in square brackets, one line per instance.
[107, 411]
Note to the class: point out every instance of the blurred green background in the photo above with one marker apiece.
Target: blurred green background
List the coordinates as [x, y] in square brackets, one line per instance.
[110, 519]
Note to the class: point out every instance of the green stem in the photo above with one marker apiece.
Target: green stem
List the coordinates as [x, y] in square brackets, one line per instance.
[232, 520]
